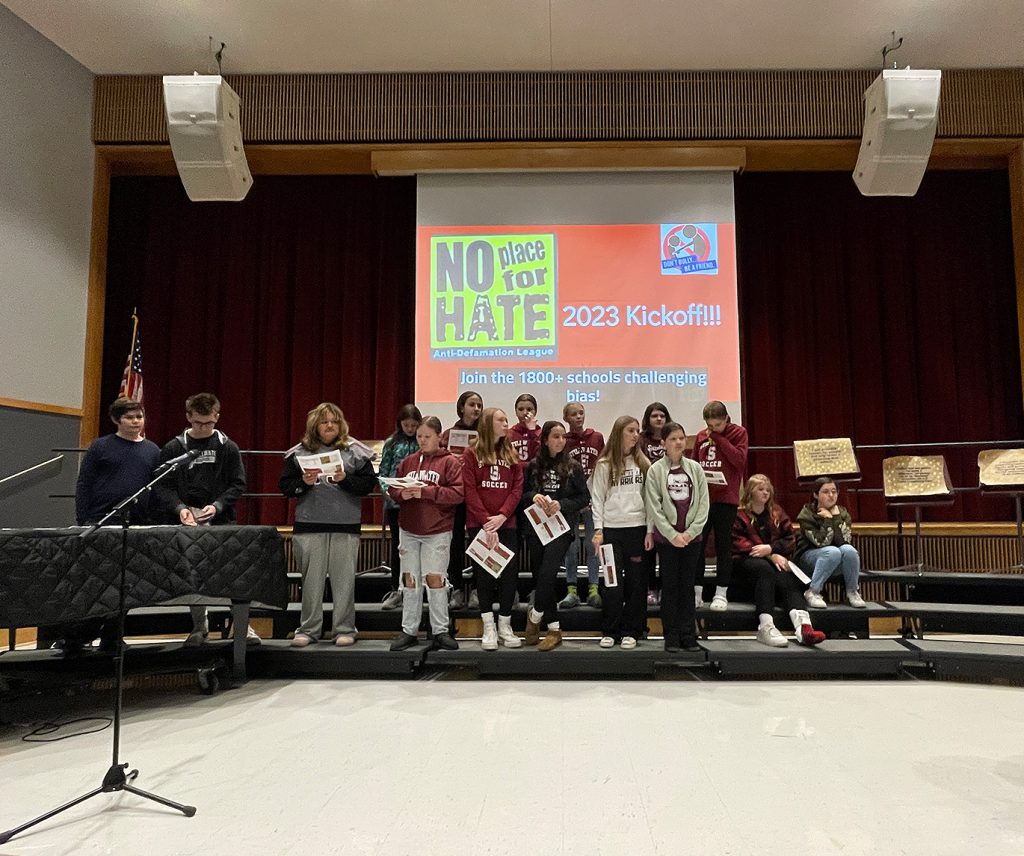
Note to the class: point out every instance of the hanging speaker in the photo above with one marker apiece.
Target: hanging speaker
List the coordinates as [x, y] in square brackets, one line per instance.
[206, 137]
[901, 109]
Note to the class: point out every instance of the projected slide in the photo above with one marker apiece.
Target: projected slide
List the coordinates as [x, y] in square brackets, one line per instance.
[612, 315]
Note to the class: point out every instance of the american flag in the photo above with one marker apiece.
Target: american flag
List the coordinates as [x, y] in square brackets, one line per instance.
[131, 380]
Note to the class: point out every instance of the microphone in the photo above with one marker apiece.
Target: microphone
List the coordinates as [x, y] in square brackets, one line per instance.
[178, 461]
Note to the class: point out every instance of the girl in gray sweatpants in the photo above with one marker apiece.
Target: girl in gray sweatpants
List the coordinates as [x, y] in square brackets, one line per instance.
[327, 523]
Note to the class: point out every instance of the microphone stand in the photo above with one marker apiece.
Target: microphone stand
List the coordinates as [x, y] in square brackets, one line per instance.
[115, 778]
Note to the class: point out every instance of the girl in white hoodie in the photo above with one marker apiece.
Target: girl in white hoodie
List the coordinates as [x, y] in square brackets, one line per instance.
[617, 498]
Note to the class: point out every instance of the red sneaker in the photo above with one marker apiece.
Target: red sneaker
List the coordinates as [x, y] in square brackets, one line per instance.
[809, 636]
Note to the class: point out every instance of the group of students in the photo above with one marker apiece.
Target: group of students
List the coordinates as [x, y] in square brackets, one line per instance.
[643, 492]
[203, 492]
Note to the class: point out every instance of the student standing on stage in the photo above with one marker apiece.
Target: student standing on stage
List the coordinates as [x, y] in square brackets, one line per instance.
[396, 448]
[469, 407]
[425, 519]
[524, 437]
[617, 497]
[117, 465]
[652, 444]
[676, 494]
[652, 433]
[113, 468]
[206, 490]
[525, 434]
[583, 445]
[721, 450]
[328, 520]
[824, 546]
[762, 544]
[493, 481]
[555, 483]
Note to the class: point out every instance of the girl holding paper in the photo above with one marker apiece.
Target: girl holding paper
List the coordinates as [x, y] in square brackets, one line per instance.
[425, 517]
[676, 494]
[493, 480]
[327, 522]
[721, 450]
[620, 520]
[762, 546]
[469, 406]
[553, 484]
[396, 448]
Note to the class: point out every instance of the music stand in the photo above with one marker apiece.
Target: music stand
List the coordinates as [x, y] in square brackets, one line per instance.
[17, 482]
[1001, 473]
[1017, 492]
[897, 473]
[115, 778]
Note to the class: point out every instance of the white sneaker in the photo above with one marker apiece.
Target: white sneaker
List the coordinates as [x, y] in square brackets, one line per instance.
[392, 600]
[719, 603]
[628, 643]
[458, 600]
[768, 634]
[698, 600]
[251, 636]
[607, 642]
[814, 600]
[489, 641]
[855, 600]
[505, 635]
[474, 600]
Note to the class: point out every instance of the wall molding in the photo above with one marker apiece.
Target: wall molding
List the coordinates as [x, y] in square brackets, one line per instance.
[453, 107]
[41, 407]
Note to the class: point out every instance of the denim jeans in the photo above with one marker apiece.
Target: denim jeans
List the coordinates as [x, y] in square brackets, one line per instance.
[423, 555]
[823, 563]
[590, 557]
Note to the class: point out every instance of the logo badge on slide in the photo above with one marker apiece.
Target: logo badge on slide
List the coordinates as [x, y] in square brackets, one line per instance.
[689, 248]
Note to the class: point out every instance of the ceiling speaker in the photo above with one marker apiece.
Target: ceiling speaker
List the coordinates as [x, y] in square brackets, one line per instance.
[901, 110]
[206, 137]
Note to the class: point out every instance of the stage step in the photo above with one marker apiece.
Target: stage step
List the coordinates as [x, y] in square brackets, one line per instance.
[834, 657]
[971, 660]
[277, 658]
[997, 620]
[571, 659]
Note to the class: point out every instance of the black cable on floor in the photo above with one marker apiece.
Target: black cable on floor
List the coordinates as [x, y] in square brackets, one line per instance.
[36, 734]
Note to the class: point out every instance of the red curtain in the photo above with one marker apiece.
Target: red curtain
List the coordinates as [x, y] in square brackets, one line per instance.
[889, 320]
[886, 319]
[300, 294]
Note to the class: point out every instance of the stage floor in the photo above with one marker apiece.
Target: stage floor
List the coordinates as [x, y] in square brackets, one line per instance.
[451, 766]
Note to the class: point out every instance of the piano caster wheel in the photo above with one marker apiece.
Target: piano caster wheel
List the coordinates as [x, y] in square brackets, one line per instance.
[208, 681]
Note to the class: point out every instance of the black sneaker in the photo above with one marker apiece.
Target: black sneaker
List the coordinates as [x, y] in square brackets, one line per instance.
[691, 646]
[445, 642]
[672, 646]
[403, 641]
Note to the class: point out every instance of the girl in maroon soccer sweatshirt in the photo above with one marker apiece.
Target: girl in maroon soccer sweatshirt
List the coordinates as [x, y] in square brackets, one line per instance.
[721, 451]
[493, 482]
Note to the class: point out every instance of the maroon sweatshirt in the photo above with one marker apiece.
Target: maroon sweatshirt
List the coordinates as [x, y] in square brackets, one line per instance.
[434, 512]
[584, 447]
[726, 453]
[525, 442]
[490, 489]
